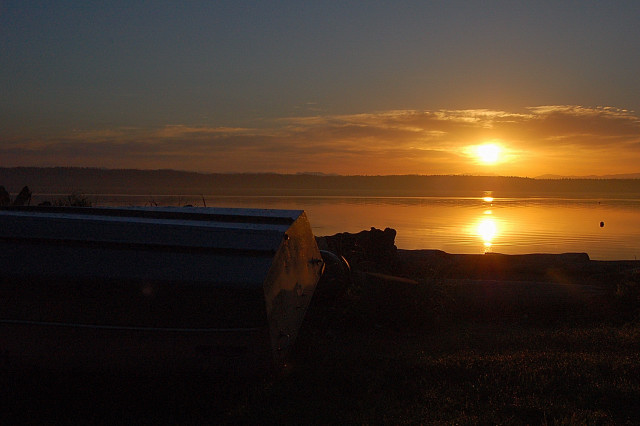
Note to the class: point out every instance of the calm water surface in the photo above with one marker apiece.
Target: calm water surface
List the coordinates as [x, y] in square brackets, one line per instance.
[456, 225]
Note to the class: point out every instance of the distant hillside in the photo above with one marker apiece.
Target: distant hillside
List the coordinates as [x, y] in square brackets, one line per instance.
[164, 182]
[617, 176]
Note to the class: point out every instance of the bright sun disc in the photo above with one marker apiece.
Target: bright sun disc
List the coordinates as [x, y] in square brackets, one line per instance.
[488, 153]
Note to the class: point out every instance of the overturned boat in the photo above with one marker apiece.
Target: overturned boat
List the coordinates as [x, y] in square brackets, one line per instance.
[153, 289]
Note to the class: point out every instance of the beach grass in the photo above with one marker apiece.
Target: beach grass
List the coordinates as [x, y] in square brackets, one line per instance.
[455, 363]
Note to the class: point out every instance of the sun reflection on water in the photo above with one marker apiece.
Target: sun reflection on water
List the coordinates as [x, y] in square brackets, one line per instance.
[487, 229]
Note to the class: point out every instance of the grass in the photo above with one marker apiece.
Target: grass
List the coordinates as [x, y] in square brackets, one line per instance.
[445, 356]
[456, 368]
[73, 200]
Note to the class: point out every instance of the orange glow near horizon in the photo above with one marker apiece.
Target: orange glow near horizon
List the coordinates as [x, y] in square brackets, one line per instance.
[541, 141]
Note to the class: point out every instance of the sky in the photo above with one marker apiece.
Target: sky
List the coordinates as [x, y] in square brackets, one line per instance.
[375, 87]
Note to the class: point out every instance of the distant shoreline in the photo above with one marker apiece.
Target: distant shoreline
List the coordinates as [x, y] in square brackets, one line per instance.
[63, 180]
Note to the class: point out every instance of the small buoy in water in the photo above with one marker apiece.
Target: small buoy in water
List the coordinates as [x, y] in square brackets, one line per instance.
[601, 224]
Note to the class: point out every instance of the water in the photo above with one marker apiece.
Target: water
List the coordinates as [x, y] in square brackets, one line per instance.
[455, 225]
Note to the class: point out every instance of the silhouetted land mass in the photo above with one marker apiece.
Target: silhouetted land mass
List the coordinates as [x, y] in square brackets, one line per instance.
[614, 176]
[408, 337]
[171, 182]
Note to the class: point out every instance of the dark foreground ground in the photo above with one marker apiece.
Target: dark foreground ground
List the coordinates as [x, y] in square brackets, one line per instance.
[471, 340]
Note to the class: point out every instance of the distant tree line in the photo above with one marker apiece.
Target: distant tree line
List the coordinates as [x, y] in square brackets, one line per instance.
[70, 180]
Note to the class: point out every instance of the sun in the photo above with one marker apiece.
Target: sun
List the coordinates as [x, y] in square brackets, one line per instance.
[488, 153]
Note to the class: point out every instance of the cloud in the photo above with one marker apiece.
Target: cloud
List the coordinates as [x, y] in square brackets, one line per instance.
[598, 140]
[584, 126]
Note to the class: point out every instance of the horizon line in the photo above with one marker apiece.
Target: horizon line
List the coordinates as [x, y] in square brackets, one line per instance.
[619, 176]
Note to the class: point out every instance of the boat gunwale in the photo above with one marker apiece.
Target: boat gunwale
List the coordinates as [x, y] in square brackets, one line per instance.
[204, 214]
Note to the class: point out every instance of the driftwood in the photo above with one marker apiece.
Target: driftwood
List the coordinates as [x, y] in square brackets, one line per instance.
[371, 251]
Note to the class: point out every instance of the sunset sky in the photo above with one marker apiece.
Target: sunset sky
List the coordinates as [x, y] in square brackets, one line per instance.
[402, 87]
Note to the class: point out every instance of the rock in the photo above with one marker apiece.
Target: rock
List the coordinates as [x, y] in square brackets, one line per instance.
[372, 250]
[23, 198]
[5, 199]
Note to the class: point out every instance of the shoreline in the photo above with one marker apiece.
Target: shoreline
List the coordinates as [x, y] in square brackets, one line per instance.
[375, 251]
[462, 265]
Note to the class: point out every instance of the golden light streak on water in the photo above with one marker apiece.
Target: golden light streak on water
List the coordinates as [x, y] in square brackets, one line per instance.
[487, 229]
